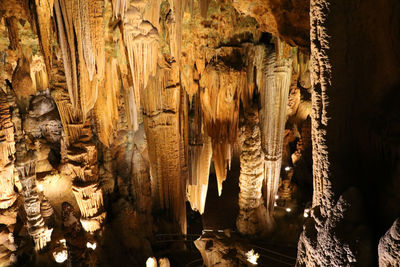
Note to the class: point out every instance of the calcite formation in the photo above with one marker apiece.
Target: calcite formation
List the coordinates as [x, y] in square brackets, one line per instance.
[252, 218]
[7, 150]
[274, 96]
[25, 165]
[130, 107]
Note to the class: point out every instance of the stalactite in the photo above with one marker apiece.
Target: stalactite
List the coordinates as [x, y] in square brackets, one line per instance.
[7, 150]
[119, 8]
[141, 40]
[252, 214]
[176, 29]
[66, 39]
[220, 105]
[81, 36]
[200, 148]
[106, 108]
[44, 11]
[161, 102]
[274, 96]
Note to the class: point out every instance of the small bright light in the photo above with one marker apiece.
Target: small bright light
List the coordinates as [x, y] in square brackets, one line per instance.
[287, 168]
[276, 196]
[288, 209]
[90, 245]
[40, 187]
[63, 241]
[306, 213]
[60, 256]
[275, 204]
[252, 257]
[151, 262]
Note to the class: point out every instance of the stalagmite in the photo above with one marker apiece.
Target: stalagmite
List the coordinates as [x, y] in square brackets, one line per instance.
[220, 105]
[25, 165]
[252, 214]
[7, 150]
[274, 95]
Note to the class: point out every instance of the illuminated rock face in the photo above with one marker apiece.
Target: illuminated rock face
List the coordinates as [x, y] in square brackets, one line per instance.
[389, 246]
[252, 217]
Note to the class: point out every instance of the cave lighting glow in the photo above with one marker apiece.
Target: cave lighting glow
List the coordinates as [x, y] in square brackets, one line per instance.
[90, 245]
[60, 256]
[151, 262]
[252, 257]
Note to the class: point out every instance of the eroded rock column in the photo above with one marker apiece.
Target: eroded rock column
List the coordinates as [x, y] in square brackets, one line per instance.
[252, 214]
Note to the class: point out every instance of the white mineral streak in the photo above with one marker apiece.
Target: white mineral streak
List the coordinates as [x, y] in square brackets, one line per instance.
[252, 213]
[7, 150]
[274, 96]
[389, 246]
[141, 40]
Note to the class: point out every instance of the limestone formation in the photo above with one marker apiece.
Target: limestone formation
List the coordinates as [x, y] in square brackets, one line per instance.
[252, 218]
[274, 96]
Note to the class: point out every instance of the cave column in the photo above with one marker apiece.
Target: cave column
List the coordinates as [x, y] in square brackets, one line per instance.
[26, 167]
[274, 97]
[252, 213]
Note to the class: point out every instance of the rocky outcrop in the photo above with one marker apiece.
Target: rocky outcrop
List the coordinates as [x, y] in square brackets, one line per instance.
[389, 246]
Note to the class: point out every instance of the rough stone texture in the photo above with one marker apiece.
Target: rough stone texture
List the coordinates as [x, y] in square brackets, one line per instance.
[348, 148]
[284, 18]
[389, 246]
